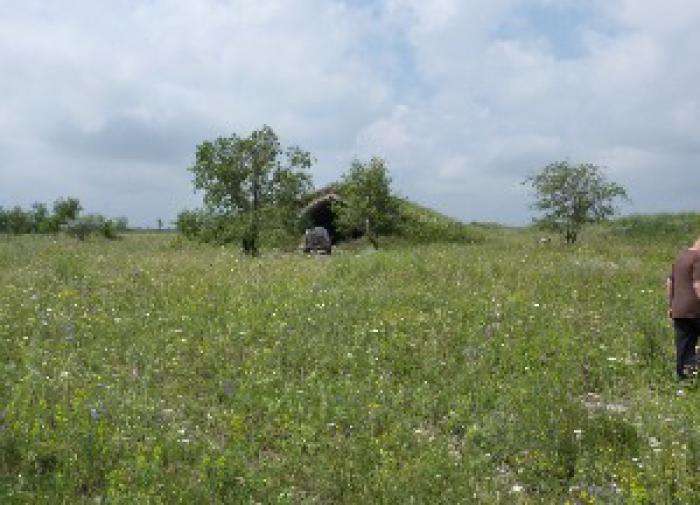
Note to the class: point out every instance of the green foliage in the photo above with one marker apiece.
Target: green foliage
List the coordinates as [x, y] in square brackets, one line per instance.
[210, 227]
[243, 177]
[41, 219]
[190, 223]
[573, 195]
[121, 224]
[66, 209]
[18, 221]
[65, 216]
[91, 224]
[368, 205]
[38, 219]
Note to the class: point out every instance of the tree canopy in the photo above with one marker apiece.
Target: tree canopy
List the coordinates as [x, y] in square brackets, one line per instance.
[244, 177]
[66, 209]
[367, 204]
[573, 195]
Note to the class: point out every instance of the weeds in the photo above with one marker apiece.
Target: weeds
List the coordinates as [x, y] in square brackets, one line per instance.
[499, 372]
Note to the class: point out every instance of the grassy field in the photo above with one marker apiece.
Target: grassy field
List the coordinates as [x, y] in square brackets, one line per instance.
[149, 370]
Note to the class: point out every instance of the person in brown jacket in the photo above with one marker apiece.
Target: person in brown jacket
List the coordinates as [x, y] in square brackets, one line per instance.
[683, 288]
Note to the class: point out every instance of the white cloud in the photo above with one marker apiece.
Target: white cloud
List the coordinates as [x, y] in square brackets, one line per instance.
[106, 100]
[501, 108]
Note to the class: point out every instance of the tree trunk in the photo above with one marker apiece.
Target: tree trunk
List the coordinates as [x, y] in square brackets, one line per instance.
[254, 231]
[250, 239]
[370, 235]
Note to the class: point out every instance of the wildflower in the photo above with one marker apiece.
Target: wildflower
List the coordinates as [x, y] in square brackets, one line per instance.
[517, 488]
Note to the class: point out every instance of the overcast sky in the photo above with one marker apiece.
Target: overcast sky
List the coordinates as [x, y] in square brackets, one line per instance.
[106, 100]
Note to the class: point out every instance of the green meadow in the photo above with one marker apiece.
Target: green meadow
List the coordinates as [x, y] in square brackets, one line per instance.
[155, 370]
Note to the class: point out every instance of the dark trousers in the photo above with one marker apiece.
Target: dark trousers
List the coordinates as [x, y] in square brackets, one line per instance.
[687, 332]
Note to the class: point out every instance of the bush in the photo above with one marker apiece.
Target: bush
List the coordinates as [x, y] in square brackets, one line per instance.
[190, 223]
[19, 221]
[121, 224]
[91, 224]
[210, 227]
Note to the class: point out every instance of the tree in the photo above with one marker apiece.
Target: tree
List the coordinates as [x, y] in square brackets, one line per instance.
[243, 176]
[189, 223]
[19, 221]
[91, 224]
[367, 203]
[66, 209]
[573, 195]
[121, 224]
[4, 221]
[40, 217]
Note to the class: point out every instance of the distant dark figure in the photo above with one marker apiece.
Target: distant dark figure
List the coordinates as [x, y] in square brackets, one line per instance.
[683, 287]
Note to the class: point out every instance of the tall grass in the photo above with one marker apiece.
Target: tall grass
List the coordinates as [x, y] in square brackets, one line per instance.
[507, 371]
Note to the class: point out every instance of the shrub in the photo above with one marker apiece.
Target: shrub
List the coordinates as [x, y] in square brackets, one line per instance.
[190, 222]
[91, 224]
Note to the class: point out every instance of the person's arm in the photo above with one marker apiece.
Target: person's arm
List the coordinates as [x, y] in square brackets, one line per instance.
[696, 287]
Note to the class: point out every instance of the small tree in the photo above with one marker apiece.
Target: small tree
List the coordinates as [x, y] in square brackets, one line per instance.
[19, 221]
[40, 217]
[367, 201]
[121, 224]
[4, 221]
[91, 224]
[573, 195]
[242, 176]
[66, 209]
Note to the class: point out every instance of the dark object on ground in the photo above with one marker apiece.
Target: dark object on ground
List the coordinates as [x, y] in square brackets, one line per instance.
[317, 239]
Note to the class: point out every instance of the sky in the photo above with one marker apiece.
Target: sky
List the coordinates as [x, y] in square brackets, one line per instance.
[106, 101]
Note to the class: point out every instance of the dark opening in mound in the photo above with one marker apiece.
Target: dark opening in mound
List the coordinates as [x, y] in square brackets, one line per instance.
[323, 215]
[320, 212]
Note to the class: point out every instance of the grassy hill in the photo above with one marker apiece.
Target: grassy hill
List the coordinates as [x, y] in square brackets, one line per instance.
[499, 371]
[421, 224]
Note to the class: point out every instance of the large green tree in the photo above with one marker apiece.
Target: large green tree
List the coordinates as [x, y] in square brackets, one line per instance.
[367, 203]
[572, 195]
[244, 177]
